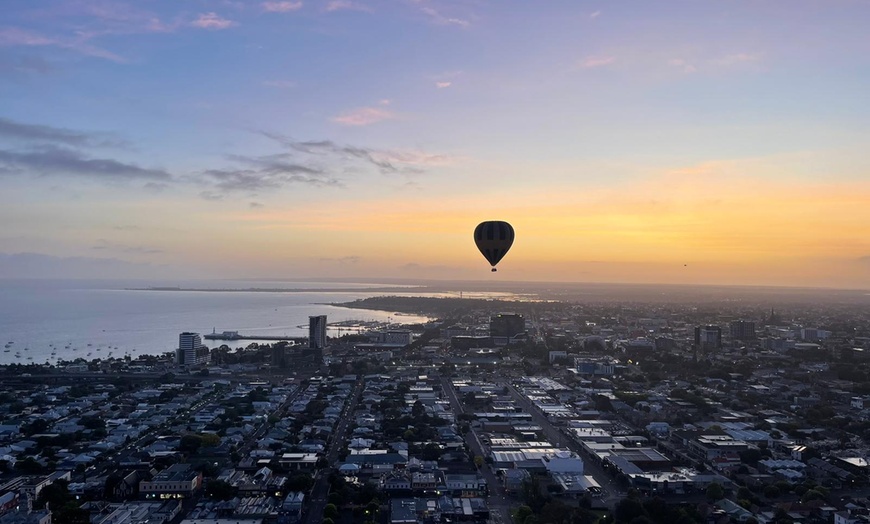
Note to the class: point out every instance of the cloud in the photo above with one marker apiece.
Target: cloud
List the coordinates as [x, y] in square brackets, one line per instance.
[352, 259]
[328, 147]
[281, 7]
[53, 161]
[212, 21]
[864, 259]
[596, 14]
[11, 129]
[211, 196]
[443, 85]
[15, 37]
[345, 5]
[386, 161]
[255, 205]
[682, 64]
[279, 84]
[266, 172]
[364, 116]
[591, 62]
[440, 19]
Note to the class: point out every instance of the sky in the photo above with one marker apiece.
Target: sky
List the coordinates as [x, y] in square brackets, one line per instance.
[675, 142]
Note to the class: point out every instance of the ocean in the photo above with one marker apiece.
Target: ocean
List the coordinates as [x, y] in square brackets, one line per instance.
[91, 319]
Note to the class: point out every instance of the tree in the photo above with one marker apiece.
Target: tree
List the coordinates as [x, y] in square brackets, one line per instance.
[627, 510]
[478, 461]
[220, 490]
[715, 492]
[330, 511]
[521, 514]
[28, 466]
[190, 443]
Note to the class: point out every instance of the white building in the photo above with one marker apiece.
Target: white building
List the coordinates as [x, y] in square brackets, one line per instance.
[191, 351]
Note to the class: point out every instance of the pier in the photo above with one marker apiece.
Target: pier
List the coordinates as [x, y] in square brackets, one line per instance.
[235, 335]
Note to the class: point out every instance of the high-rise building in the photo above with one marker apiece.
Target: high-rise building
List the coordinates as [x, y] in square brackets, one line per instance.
[191, 351]
[317, 332]
[743, 330]
[708, 336]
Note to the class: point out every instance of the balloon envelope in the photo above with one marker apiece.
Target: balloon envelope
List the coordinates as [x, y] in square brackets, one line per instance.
[494, 239]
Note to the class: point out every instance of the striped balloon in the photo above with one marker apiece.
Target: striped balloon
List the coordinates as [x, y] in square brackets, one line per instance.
[494, 239]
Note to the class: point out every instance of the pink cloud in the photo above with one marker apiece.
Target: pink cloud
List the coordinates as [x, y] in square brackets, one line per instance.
[281, 7]
[443, 85]
[212, 21]
[363, 116]
[597, 61]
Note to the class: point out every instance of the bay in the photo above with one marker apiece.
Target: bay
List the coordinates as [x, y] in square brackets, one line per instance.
[90, 319]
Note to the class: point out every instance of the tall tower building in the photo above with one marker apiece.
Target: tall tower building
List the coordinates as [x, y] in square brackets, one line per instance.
[742, 330]
[317, 332]
[191, 351]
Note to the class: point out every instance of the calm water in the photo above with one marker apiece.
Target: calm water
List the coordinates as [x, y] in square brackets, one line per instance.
[47, 316]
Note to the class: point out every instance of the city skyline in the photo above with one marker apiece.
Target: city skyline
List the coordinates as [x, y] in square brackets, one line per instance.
[683, 143]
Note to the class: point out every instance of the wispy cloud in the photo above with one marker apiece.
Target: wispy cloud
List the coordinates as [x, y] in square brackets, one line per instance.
[441, 19]
[443, 85]
[591, 62]
[386, 161]
[211, 196]
[281, 7]
[19, 131]
[14, 36]
[279, 84]
[682, 64]
[255, 205]
[346, 5]
[212, 21]
[352, 259]
[595, 14]
[57, 161]
[364, 116]
[266, 172]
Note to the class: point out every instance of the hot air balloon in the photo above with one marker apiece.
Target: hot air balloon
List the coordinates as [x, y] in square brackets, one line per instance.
[494, 239]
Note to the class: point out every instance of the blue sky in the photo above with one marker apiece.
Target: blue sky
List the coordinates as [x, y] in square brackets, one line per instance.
[348, 128]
